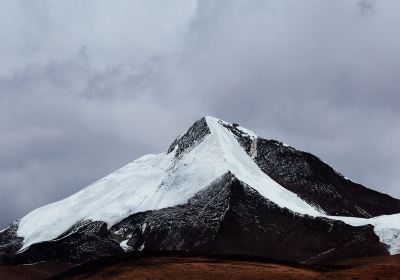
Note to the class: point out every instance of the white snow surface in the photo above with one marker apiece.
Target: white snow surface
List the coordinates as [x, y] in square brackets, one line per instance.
[387, 227]
[159, 181]
[3, 230]
[124, 245]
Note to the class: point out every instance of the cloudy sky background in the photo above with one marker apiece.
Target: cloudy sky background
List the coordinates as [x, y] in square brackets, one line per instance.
[87, 86]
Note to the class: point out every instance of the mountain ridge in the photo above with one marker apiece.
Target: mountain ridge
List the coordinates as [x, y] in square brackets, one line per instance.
[209, 150]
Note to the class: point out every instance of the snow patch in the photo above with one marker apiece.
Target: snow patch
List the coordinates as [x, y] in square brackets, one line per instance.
[124, 245]
[363, 211]
[119, 232]
[34, 263]
[141, 247]
[3, 230]
[319, 255]
[144, 227]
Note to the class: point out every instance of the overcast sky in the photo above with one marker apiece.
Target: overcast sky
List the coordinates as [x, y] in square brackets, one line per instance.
[88, 86]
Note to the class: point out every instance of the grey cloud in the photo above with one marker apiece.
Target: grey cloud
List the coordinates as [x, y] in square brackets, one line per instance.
[313, 75]
[121, 33]
[367, 7]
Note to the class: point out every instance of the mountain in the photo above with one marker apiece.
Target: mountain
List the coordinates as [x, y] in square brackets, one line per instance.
[219, 188]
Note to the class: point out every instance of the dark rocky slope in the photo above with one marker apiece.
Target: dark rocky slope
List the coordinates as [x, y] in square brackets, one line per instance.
[314, 181]
[319, 184]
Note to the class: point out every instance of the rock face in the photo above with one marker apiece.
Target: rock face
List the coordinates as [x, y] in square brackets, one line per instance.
[10, 242]
[230, 214]
[319, 184]
[194, 135]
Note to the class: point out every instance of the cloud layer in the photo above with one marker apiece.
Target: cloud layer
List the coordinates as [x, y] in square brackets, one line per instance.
[87, 87]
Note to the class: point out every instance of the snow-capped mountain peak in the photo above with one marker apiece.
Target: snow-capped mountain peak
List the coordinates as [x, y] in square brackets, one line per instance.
[208, 150]
[205, 152]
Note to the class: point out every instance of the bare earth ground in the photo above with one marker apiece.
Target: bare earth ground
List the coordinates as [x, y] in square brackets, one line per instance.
[32, 272]
[214, 268]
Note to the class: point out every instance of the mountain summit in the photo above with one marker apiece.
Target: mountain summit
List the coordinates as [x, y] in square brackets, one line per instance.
[219, 188]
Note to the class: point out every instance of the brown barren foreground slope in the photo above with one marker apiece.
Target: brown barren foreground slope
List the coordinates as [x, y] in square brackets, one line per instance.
[188, 266]
[225, 267]
[36, 271]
